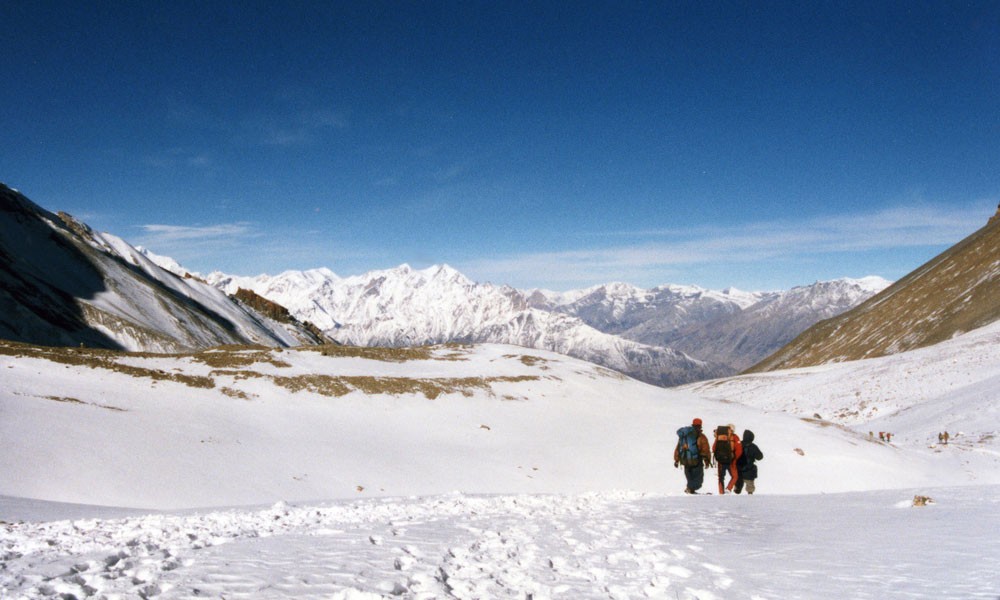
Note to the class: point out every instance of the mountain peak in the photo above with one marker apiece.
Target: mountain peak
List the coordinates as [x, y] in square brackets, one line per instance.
[445, 274]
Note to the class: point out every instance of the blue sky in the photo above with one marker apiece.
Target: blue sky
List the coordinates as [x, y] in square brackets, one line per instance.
[758, 145]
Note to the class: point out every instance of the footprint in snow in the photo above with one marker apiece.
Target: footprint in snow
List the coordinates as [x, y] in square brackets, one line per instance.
[713, 568]
[679, 571]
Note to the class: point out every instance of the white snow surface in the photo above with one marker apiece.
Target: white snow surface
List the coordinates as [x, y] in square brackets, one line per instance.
[953, 386]
[556, 482]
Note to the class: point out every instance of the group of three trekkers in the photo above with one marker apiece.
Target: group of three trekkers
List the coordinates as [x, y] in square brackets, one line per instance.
[732, 456]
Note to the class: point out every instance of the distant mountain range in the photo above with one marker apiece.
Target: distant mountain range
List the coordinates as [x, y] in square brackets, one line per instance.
[732, 328]
[667, 335]
[953, 293]
[63, 284]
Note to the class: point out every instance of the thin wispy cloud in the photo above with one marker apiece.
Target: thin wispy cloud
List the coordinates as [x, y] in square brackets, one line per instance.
[878, 229]
[188, 244]
[180, 157]
[660, 253]
[187, 233]
[292, 129]
[292, 123]
[253, 249]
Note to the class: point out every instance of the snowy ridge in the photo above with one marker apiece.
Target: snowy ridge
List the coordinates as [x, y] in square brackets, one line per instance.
[621, 296]
[748, 336]
[733, 328]
[127, 300]
[667, 335]
[406, 307]
[66, 284]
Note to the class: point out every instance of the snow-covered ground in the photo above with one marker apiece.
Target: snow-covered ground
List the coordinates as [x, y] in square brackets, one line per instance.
[599, 545]
[488, 472]
[953, 386]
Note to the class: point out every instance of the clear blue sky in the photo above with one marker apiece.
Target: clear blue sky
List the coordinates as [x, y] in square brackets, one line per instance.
[759, 145]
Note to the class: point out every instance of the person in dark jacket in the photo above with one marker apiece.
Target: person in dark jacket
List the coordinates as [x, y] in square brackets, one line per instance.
[745, 463]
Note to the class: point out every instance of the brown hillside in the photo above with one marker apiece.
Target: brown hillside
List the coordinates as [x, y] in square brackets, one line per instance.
[955, 292]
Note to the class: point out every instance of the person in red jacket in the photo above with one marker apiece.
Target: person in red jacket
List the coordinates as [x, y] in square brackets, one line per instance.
[727, 449]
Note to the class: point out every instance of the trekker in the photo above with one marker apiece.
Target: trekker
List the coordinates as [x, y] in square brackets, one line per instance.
[726, 449]
[745, 463]
[692, 450]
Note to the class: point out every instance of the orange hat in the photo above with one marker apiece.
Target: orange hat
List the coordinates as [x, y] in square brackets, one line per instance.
[696, 422]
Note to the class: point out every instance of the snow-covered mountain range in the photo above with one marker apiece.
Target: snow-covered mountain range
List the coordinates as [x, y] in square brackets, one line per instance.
[406, 307]
[729, 327]
[667, 335]
[65, 284]
[62, 283]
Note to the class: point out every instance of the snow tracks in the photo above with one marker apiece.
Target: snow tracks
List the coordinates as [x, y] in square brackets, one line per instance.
[454, 546]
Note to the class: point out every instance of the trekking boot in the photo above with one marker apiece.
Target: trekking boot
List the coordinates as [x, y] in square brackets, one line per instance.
[688, 491]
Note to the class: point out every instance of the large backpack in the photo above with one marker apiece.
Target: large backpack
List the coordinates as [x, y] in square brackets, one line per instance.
[687, 446]
[724, 453]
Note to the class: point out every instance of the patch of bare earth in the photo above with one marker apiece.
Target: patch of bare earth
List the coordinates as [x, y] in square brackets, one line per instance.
[236, 363]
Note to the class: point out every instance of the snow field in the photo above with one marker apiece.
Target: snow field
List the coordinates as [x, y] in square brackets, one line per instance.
[564, 478]
[597, 545]
[566, 427]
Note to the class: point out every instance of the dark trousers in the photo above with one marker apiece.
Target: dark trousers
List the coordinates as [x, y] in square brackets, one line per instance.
[695, 476]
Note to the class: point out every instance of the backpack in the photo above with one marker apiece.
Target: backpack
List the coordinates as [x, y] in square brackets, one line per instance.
[724, 452]
[687, 446]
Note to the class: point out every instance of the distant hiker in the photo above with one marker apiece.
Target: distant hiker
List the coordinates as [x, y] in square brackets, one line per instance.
[940, 438]
[881, 436]
[888, 436]
[692, 451]
[726, 449]
[745, 463]
[946, 438]
[871, 435]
